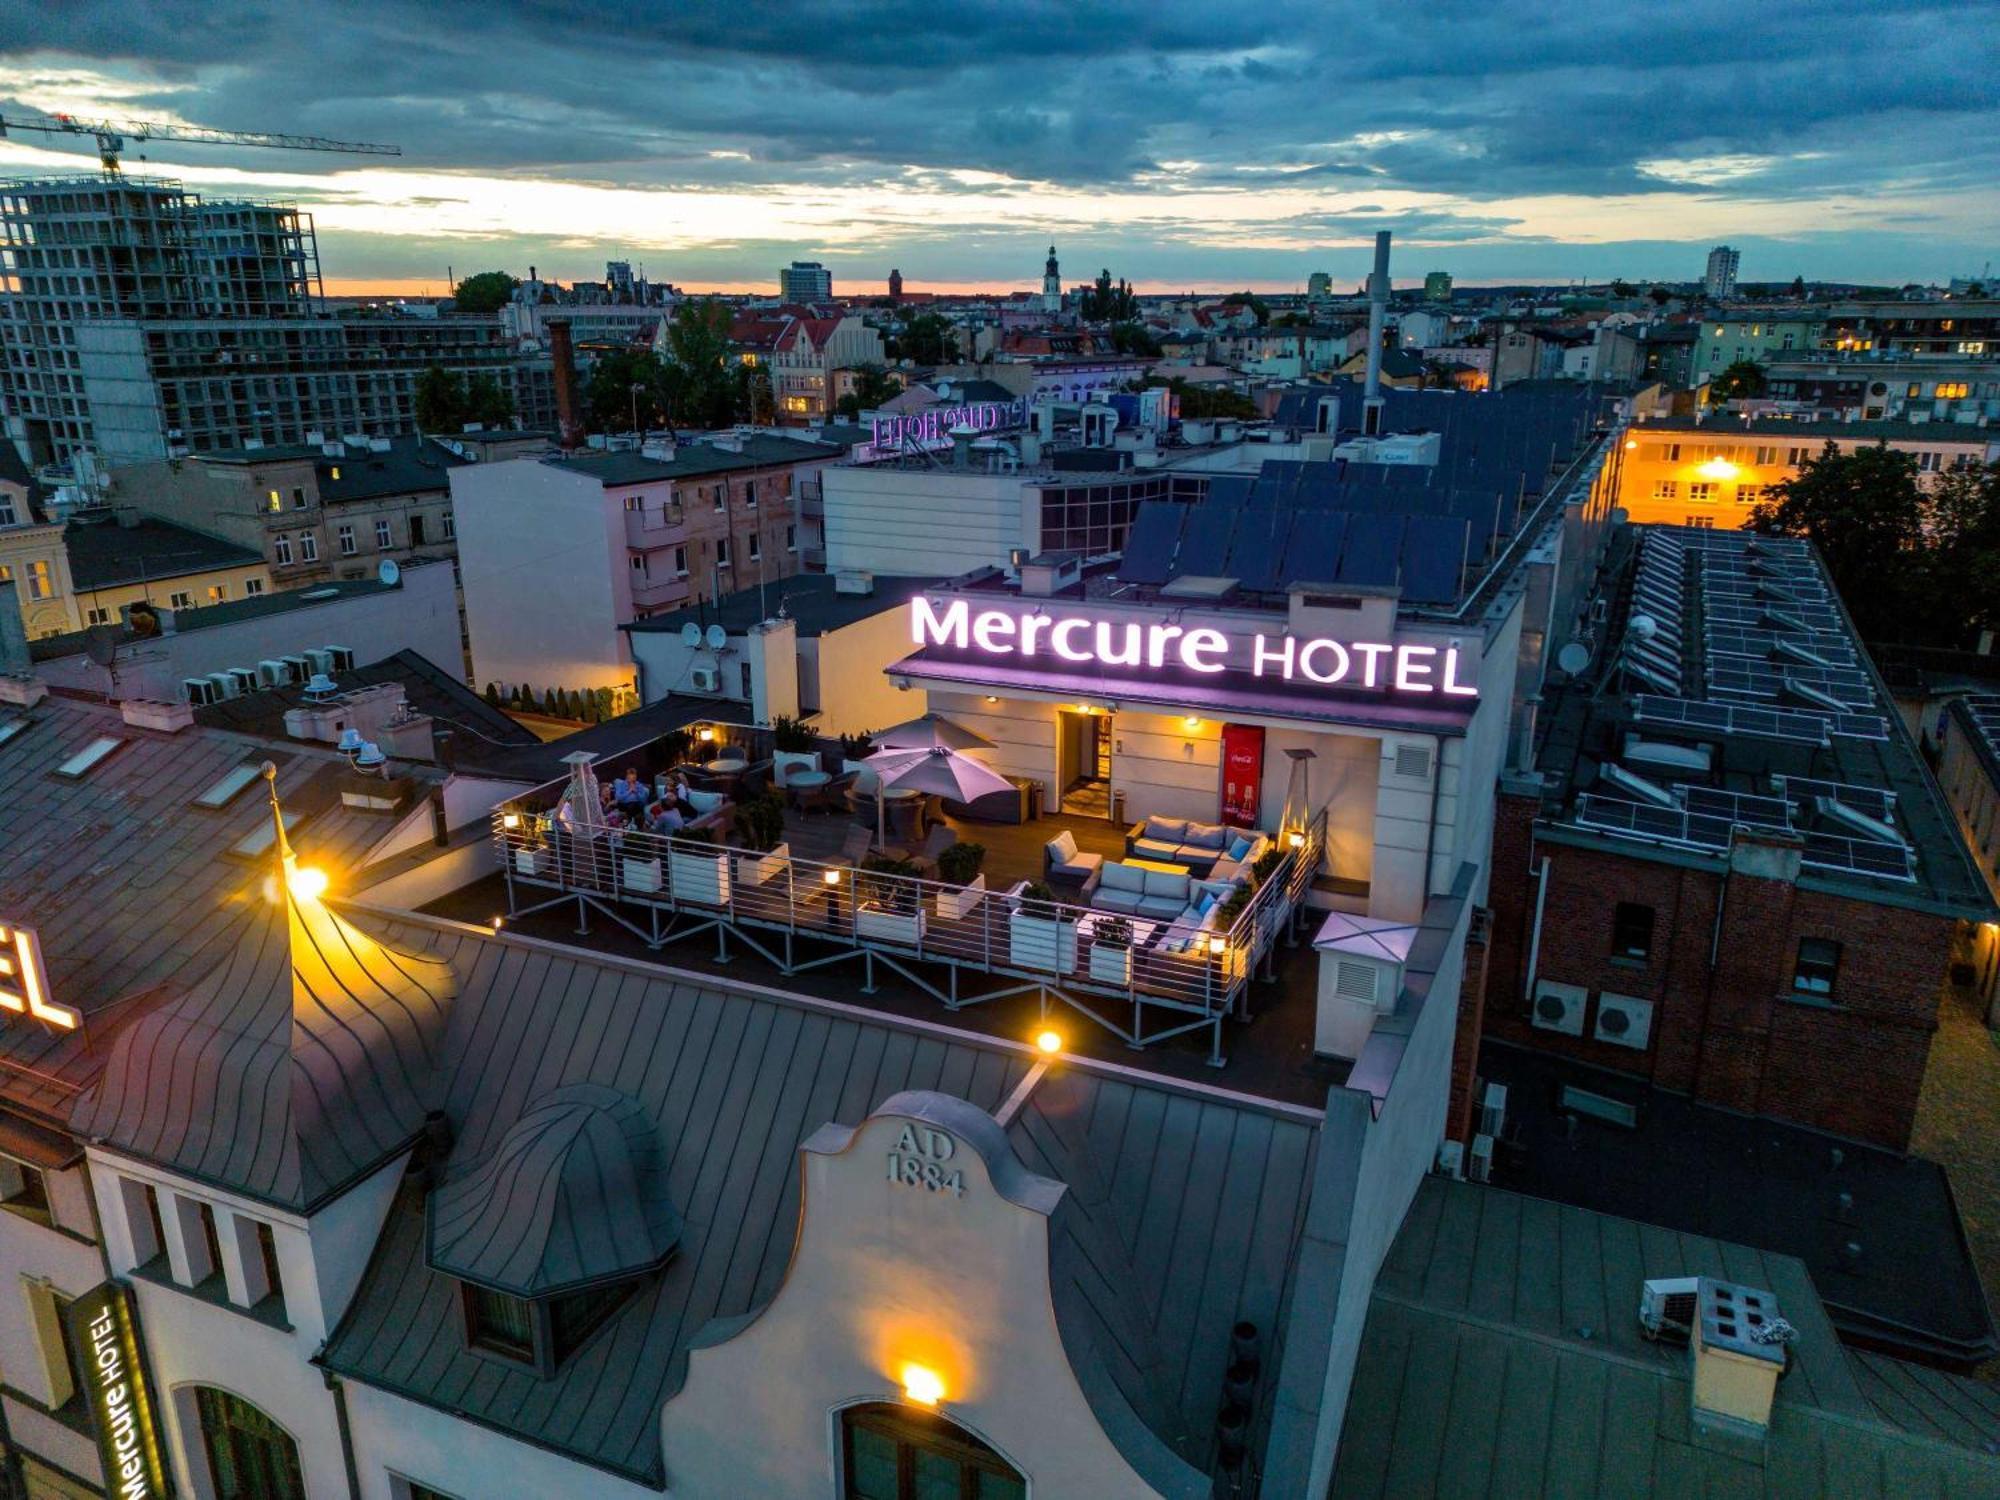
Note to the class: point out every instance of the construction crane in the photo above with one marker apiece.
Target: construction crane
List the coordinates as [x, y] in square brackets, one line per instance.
[112, 135]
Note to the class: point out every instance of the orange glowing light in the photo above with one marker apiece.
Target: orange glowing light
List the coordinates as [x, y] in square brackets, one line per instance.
[922, 1385]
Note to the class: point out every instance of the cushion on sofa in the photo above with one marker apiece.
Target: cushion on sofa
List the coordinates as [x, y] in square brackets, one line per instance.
[1167, 883]
[705, 803]
[1062, 848]
[1106, 899]
[1239, 848]
[1124, 877]
[1206, 836]
[1226, 871]
[1166, 830]
[1156, 849]
[1158, 908]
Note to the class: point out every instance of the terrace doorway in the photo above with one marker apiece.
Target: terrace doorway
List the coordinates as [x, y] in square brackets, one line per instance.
[1083, 763]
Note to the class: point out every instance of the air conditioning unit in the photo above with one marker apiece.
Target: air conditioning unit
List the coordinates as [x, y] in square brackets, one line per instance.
[339, 658]
[226, 685]
[1624, 1021]
[706, 679]
[1479, 1160]
[1493, 1110]
[1451, 1159]
[1559, 1007]
[301, 669]
[241, 679]
[1667, 1308]
[272, 673]
[321, 662]
[200, 691]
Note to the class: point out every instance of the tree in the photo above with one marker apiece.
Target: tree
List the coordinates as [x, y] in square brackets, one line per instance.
[491, 695]
[1102, 302]
[486, 292]
[440, 397]
[1661, 296]
[700, 390]
[927, 339]
[1742, 381]
[1865, 513]
[1134, 338]
[872, 386]
[1799, 288]
[1621, 289]
[486, 404]
[1205, 402]
[610, 397]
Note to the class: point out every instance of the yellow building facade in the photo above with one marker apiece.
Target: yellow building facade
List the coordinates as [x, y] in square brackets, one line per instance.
[1711, 474]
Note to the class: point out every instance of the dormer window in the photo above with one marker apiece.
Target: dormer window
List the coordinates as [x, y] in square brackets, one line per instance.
[539, 1332]
[499, 1323]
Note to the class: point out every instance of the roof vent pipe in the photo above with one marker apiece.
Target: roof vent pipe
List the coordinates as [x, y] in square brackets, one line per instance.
[1378, 312]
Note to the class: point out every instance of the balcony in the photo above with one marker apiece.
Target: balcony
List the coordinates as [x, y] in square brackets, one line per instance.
[655, 528]
[660, 592]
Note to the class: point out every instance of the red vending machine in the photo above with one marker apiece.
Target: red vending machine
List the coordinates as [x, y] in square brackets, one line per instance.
[1242, 773]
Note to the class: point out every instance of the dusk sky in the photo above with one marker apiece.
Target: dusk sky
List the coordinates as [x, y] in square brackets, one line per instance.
[1179, 144]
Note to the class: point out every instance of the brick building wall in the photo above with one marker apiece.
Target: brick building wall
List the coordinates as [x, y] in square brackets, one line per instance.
[1733, 1032]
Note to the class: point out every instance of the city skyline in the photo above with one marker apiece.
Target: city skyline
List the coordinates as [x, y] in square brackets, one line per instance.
[1138, 140]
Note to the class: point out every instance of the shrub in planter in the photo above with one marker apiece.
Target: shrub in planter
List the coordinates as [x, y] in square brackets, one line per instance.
[1231, 909]
[788, 733]
[960, 863]
[1038, 900]
[1266, 863]
[888, 883]
[760, 823]
[693, 835]
[1112, 932]
[857, 746]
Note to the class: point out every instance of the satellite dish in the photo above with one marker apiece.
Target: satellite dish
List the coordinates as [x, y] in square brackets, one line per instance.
[1573, 657]
[100, 642]
[690, 634]
[389, 573]
[717, 637]
[1645, 627]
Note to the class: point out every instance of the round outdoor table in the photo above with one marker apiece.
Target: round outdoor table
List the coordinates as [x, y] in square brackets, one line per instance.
[725, 764]
[904, 808]
[803, 784]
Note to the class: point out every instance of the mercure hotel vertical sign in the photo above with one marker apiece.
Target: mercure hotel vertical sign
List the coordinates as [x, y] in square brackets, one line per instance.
[104, 1333]
[1054, 636]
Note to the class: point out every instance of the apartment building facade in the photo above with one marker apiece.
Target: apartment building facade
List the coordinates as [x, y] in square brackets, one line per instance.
[804, 357]
[557, 553]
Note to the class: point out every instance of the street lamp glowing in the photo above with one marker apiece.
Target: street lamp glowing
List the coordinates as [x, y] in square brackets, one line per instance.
[832, 877]
[307, 882]
[1049, 1042]
[510, 821]
[705, 734]
[923, 1386]
[1296, 839]
[1216, 945]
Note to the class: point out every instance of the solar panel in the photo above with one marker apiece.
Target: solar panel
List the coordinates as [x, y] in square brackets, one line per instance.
[1205, 538]
[1434, 551]
[1737, 807]
[1876, 802]
[1257, 552]
[1830, 851]
[1730, 718]
[1231, 489]
[1149, 545]
[1373, 550]
[1658, 824]
[1313, 553]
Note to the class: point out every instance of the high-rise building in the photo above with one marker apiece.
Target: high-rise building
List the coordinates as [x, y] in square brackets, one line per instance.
[1319, 284]
[142, 322]
[805, 281]
[895, 286]
[1721, 278]
[1437, 286]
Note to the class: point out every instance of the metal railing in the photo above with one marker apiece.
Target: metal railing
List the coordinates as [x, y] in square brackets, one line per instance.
[1168, 977]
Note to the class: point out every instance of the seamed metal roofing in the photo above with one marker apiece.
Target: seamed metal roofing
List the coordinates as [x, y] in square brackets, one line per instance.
[1180, 1219]
[574, 1193]
[1502, 1356]
[131, 888]
[301, 1063]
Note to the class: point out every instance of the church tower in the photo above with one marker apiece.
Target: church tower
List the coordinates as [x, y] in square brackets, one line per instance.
[1051, 284]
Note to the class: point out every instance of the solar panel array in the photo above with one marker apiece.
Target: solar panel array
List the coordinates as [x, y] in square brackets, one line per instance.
[1984, 710]
[1425, 529]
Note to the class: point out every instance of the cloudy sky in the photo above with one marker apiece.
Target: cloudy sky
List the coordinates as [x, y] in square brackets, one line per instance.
[1182, 143]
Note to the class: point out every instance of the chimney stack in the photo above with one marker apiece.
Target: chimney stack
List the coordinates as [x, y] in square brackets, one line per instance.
[569, 421]
[1378, 312]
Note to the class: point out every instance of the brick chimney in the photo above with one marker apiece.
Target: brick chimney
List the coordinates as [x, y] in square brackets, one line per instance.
[569, 419]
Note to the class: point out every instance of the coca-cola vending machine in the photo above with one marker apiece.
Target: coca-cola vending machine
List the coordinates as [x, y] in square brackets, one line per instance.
[1242, 773]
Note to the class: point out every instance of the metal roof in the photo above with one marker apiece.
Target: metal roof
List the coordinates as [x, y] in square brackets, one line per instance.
[302, 1062]
[1502, 1356]
[105, 554]
[131, 889]
[812, 601]
[692, 459]
[1182, 1211]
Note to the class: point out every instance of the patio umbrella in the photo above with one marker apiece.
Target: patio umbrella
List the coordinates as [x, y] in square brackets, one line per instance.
[931, 732]
[941, 771]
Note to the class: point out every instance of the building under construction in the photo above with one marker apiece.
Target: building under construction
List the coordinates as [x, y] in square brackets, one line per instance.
[142, 322]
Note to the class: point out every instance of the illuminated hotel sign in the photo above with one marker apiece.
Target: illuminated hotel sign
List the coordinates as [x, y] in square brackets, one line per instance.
[1055, 636]
[934, 424]
[104, 1333]
[24, 983]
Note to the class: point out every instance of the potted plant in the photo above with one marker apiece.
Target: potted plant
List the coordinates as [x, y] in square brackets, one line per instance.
[891, 910]
[760, 824]
[1040, 933]
[965, 887]
[1266, 863]
[1111, 950]
[792, 742]
[699, 869]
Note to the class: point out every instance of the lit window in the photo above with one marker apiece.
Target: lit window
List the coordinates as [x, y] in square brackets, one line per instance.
[41, 581]
[1701, 493]
[1952, 390]
[86, 759]
[1817, 967]
[273, 502]
[1767, 455]
[229, 787]
[218, 593]
[1666, 489]
[1701, 523]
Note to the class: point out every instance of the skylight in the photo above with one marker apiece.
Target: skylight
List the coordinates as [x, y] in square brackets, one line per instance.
[11, 727]
[231, 785]
[257, 842]
[85, 760]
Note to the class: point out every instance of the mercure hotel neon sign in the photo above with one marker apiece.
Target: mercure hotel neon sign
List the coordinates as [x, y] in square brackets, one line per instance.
[1087, 640]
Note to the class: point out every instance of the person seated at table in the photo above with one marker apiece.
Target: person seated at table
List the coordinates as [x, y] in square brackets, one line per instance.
[666, 818]
[631, 794]
[677, 793]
